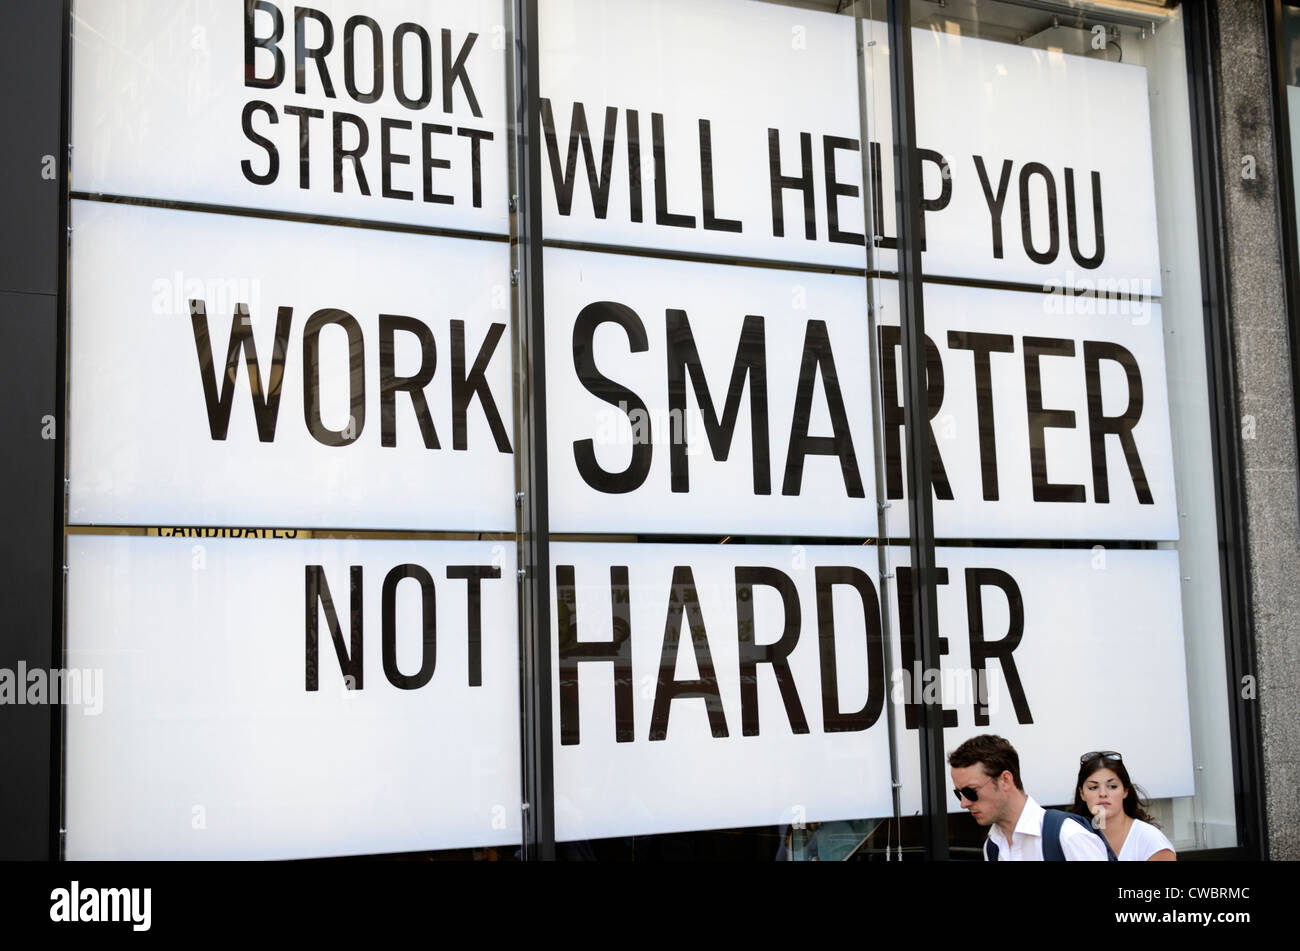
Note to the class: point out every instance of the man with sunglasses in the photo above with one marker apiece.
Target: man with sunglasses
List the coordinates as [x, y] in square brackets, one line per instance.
[986, 779]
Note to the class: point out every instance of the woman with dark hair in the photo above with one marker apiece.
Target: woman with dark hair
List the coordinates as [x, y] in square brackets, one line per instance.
[1106, 795]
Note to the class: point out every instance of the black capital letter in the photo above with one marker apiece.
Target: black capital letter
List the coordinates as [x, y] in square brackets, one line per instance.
[995, 202]
[777, 653]
[802, 182]
[302, 53]
[376, 57]
[390, 384]
[711, 221]
[1053, 224]
[981, 345]
[252, 42]
[272, 154]
[662, 215]
[428, 625]
[453, 71]
[1099, 425]
[907, 607]
[817, 355]
[266, 400]
[318, 592]
[615, 394]
[1042, 419]
[565, 179]
[1071, 217]
[834, 189]
[751, 361]
[892, 413]
[473, 576]
[833, 720]
[981, 651]
[683, 598]
[574, 651]
[465, 386]
[311, 377]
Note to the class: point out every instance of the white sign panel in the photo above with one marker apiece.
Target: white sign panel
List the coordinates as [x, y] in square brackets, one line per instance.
[672, 715]
[1049, 417]
[233, 371]
[706, 398]
[1050, 177]
[665, 124]
[701, 398]
[705, 126]
[714, 686]
[290, 699]
[390, 113]
[1083, 650]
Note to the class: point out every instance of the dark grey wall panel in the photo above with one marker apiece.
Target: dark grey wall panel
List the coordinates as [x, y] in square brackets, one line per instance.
[31, 44]
[31, 188]
[28, 347]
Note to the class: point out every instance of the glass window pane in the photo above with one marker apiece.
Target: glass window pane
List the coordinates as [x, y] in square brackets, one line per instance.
[1064, 305]
[291, 582]
[723, 628]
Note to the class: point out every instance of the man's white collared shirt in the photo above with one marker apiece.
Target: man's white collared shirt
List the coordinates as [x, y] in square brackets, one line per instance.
[1078, 843]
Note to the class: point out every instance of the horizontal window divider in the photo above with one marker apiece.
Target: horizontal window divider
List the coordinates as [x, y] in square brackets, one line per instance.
[361, 534]
[240, 211]
[1026, 288]
[1083, 544]
[1072, 12]
[630, 538]
[5, 292]
[616, 538]
[736, 260]
[704, 257]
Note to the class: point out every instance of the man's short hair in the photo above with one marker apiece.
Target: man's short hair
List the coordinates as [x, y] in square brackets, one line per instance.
[992, 752]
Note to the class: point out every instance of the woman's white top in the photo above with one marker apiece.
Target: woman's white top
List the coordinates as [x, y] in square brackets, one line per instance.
[1144, 840]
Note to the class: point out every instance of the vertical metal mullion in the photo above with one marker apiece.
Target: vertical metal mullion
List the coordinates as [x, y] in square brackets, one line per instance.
[534, 587]
[916, 418]
[883, 571]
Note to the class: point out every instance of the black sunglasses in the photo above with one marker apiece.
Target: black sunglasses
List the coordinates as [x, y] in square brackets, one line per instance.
[1100, 754]
[971, 792]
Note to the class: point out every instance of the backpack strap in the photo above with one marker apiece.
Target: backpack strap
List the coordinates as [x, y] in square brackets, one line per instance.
[1052, 851]
[990, 850]
[1052, 822]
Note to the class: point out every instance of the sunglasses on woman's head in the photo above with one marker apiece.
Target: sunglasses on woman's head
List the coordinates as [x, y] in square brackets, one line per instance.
[1100, 754]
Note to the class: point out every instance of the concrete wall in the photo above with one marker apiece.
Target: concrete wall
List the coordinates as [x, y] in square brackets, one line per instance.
[1258, 315]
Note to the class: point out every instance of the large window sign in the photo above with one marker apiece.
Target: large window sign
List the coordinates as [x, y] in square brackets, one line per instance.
[339, 108]
[304, 294]
[1070, 150]
[1049, 417]
[1038, 166]
[231, 367]
[709, 685]
[737, 149]
[735, 400]
[282, 699]
[704, 128]
[689, 397]
[726, 393]
[229, 370]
